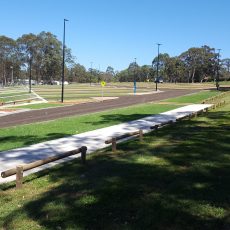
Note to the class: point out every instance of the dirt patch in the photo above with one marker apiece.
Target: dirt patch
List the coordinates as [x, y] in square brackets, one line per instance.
[104, 98]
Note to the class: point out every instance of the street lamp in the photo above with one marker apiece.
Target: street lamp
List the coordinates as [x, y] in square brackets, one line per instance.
[134, 77]
[91, 71]
[218, 68]
[158, 44]
[30, 74]
[63, 63]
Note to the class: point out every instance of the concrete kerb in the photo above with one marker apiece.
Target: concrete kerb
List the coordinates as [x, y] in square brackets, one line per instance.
[94, 140]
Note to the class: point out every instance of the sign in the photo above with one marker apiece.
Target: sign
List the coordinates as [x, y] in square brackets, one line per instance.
[103, 83]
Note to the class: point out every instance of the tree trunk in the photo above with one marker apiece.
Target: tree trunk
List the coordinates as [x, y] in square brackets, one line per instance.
[193, 74]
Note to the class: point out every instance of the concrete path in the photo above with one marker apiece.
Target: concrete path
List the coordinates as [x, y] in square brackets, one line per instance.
[94, 140]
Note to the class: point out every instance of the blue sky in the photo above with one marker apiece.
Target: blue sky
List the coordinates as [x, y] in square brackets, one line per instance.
[114, 32]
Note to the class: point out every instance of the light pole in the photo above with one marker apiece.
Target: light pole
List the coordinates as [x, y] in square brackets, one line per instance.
[218, 68]
[63, 63]
[158, 44]
[134, 77]
[12, 75]
[30, 74]
[91, 71]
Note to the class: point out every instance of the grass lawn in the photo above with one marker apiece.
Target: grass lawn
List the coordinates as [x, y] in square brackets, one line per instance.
[176, 179]
[24, 135]
[84, 91]
[39, 106]
[194, 98]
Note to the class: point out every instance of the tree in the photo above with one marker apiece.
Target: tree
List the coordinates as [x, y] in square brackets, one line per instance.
[200, 63]
[44, 52]
[109, 74]
[78, 74]
[8, 59]
[163, 60]
[29, 50]
[110, 71]
[225, 63]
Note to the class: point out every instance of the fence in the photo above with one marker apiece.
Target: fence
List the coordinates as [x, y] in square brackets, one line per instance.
[22, 168]
[114, 140]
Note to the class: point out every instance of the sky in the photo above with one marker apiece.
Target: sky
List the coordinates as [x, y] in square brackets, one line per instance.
[115, 32]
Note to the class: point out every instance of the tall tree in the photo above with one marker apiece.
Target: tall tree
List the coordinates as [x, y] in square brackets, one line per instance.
[8, 59]
[225, 63]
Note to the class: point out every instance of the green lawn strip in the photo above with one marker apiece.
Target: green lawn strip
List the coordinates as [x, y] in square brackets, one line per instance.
[40, 106]
[175, 179]
[194, 98]
[25, 135]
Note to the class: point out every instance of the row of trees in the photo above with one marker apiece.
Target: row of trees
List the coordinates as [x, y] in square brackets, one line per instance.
[42, 55]
[193, 65]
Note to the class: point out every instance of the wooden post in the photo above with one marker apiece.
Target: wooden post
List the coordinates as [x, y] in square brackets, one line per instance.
[83, 154]
[19, 176]
[141, 135]
[156, 128]
[114, 144]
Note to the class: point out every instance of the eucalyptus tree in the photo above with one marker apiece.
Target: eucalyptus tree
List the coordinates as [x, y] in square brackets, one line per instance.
[50, 58]
[201, 63]
[29, 49]
[209, 63]
[123, 76]
[133, 71]
[192, 59]
[44, 53]
[225, 63]
[8, 59]
[78, 73]
[174, 70]
[109, 74]
[145, 73]
[163, 60]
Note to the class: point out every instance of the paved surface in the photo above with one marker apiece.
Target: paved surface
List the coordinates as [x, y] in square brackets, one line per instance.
[94, 140]
[79, 109]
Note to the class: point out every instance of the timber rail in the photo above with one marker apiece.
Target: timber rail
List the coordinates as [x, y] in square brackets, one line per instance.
[18, 171]
[114, 140]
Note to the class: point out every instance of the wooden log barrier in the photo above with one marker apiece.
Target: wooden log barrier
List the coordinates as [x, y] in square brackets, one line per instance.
[114, 140]
[114, 144]
[162, 124]
[19, 176]
[109, 141]
[38, 163]
[155, 127]
[205, 110]
[83, 154]
[141, 135]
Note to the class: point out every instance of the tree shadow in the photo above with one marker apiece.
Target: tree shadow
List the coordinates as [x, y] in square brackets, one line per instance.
[179, 182]
[121, 118]
[29, 139]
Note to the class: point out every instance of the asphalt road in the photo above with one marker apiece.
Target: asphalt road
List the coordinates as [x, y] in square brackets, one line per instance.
[33, 116]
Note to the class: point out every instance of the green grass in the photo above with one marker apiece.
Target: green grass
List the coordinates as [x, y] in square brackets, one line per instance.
[176, 179]
[83, 91]
[25, 135]
[194, 98]
[39, 106]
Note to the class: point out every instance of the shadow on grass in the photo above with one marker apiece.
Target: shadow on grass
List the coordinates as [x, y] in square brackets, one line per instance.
[119, 118]
[175, 179]
[28, 139]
